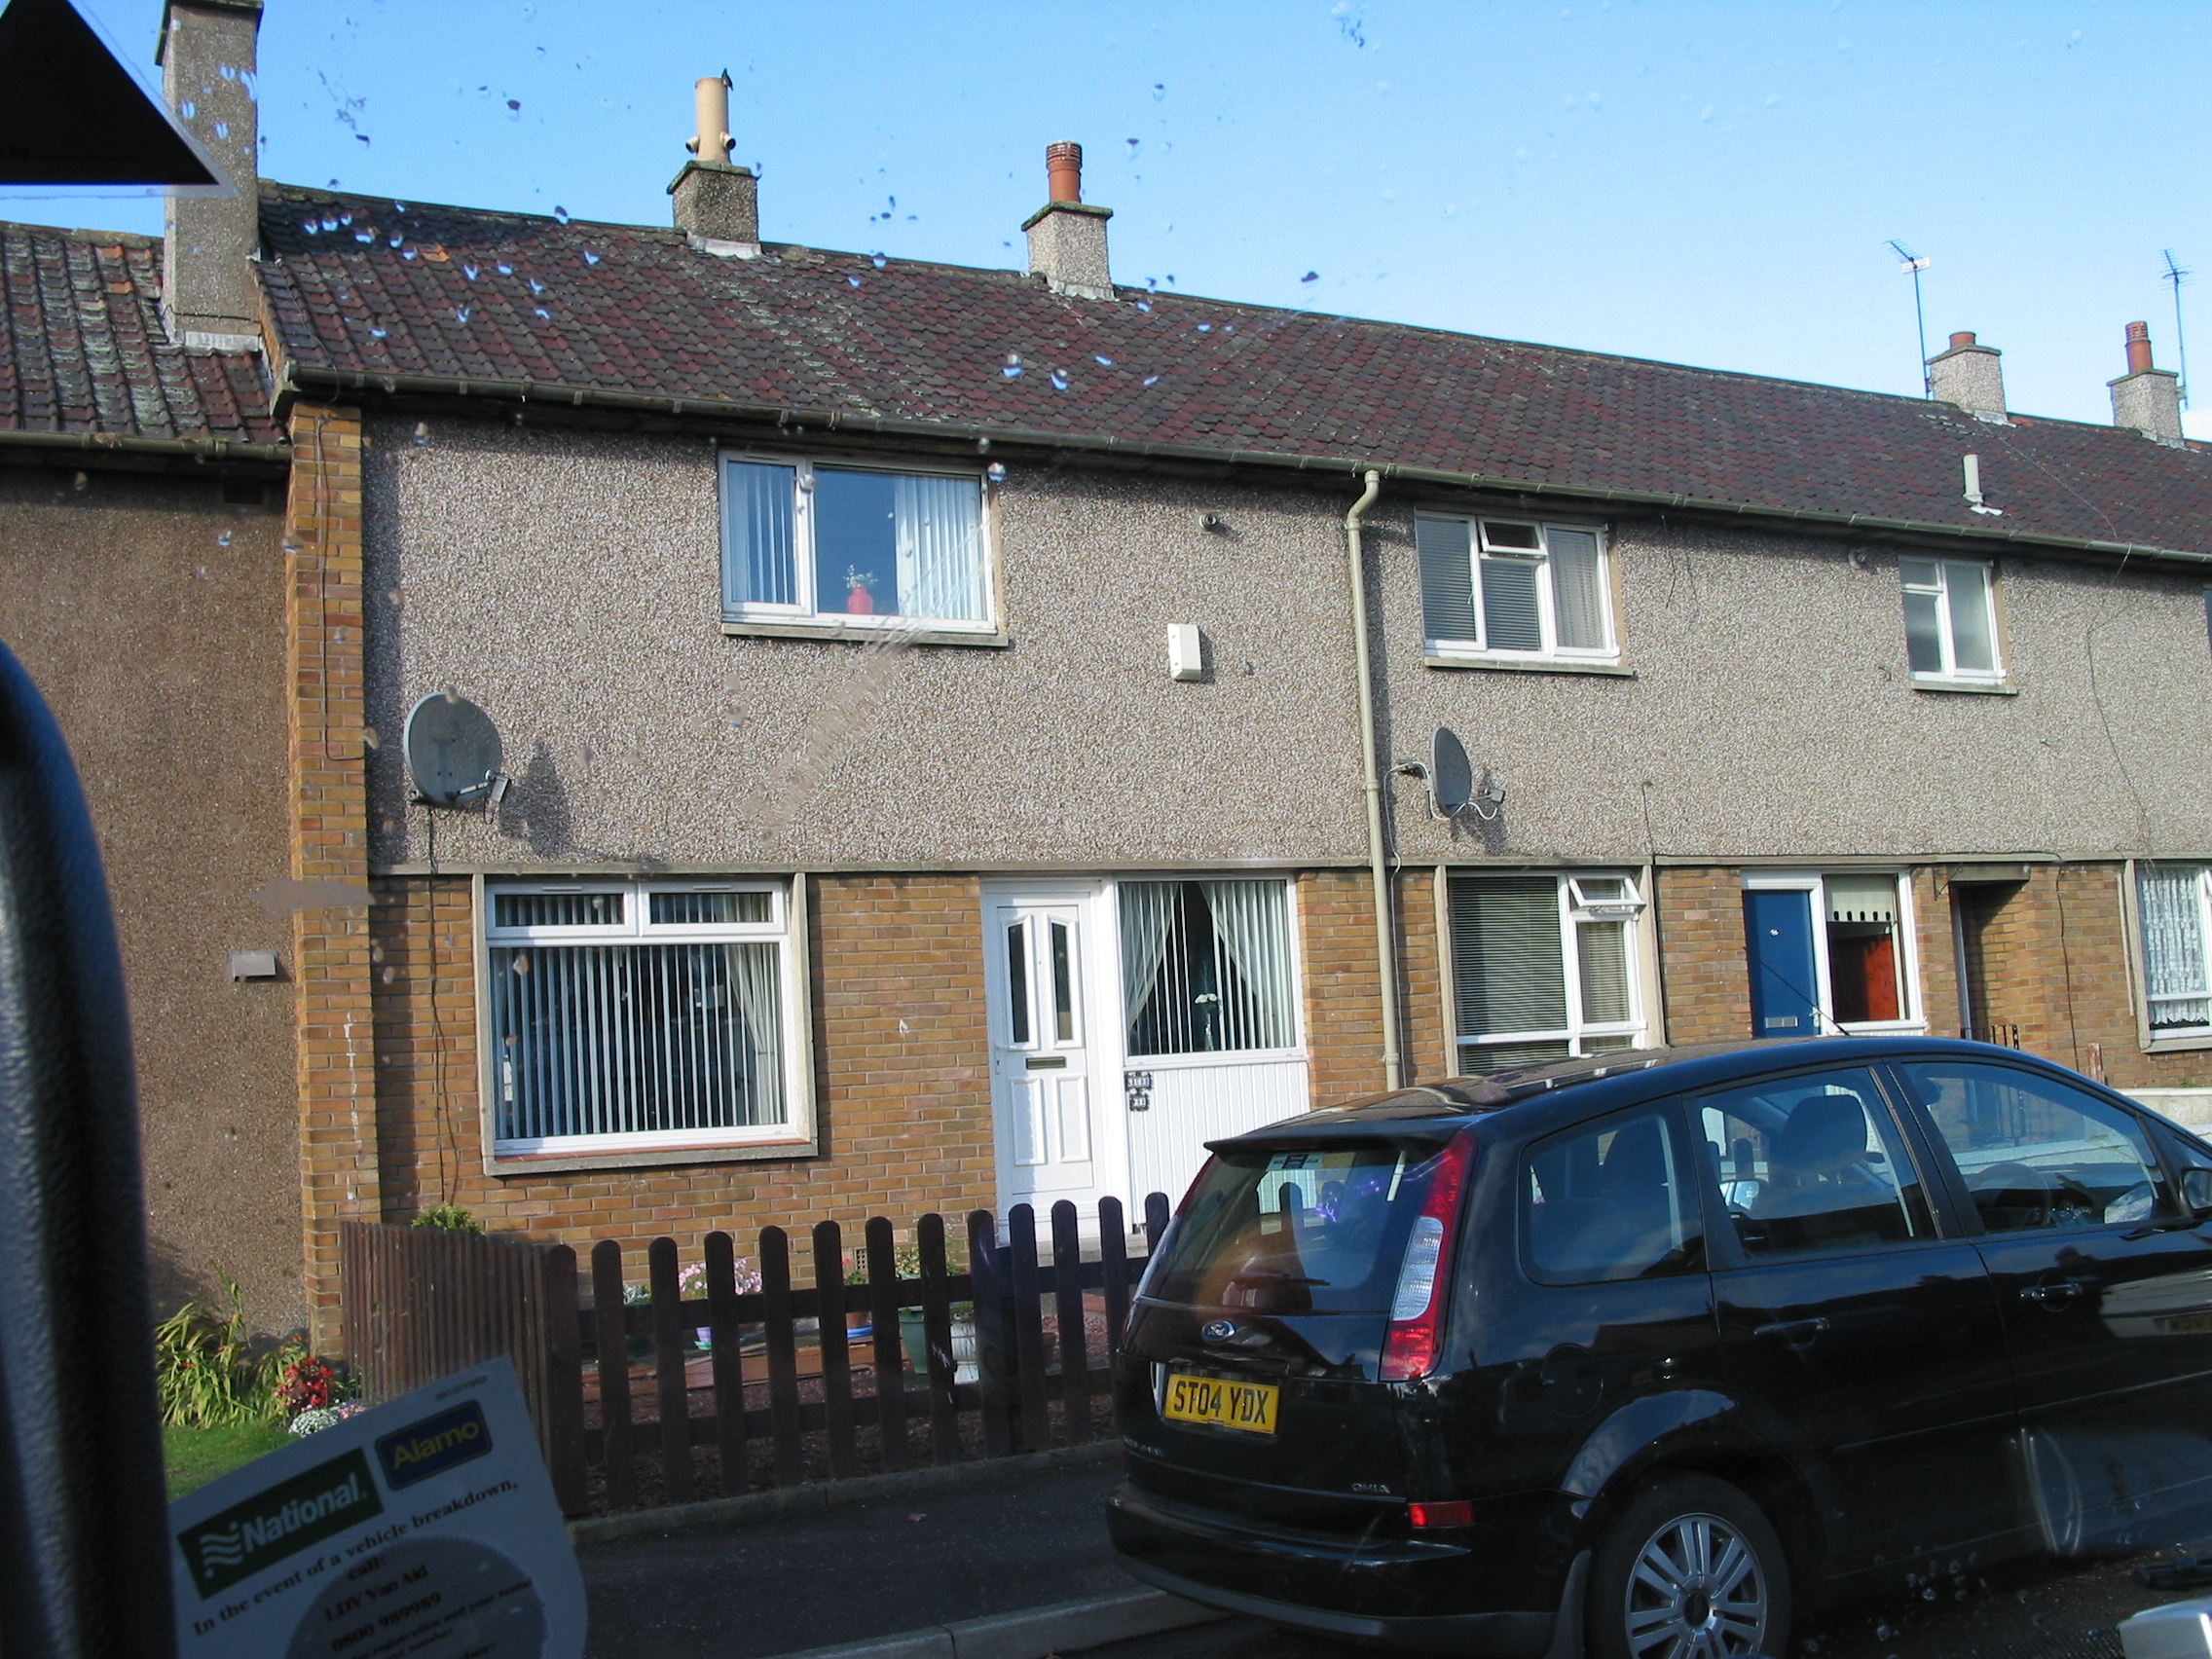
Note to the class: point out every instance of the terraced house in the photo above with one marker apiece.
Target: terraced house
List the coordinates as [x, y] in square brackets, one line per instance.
[959, 721]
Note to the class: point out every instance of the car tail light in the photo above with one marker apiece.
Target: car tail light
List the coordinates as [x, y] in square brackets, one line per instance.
[1459, 1512]
[1425, 1281]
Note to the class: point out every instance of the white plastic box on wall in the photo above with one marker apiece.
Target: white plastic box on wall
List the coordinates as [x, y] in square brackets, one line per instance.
[2182, 1630]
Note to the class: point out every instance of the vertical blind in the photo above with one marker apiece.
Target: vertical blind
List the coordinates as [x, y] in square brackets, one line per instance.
[636, 1039]
[758, 562]
[1446, 582]
[1579, 588]
[2173, 945]
[1205, 966]
[937, 524]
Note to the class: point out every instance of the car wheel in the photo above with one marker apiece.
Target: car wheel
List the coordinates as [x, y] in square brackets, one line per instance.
[1688, 1570]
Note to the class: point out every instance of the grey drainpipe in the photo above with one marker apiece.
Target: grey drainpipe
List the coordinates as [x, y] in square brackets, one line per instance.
[1371, 780]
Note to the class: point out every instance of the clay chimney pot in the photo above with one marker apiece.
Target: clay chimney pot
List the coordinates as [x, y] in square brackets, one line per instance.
[1063, 168]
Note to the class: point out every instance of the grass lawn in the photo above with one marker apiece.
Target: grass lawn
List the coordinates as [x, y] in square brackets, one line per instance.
[197, 1456]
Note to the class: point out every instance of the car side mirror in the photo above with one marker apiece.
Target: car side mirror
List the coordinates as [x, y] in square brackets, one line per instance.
[2197, 1190]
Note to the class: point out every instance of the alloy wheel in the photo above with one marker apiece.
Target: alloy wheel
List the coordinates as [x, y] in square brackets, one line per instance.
[1697, 1591]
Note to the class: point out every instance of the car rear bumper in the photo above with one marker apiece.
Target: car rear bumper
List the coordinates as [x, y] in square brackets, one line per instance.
[1389, 1593]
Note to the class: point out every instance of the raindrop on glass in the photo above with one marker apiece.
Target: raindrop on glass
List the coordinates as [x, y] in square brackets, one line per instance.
[310, 226]
[328, 223]
[1145, 305]
[224, 539]
[364, 236]
[1012, 368]
[461, 316]
[536, 286]
[369, 736]
[983, 446]
[1159, 90]
[1205, 328]
[395, 239]
[188, 109]
[995, 472]
[854, 280]
[407, 253]
[514, 103]
[469, 271]
[543, 313]
[1102, 362]
[878, 260]
[375, 333]
[421, 431]
[561, 214]
[1883, 1633]
[590, 258]
[1059, 381]
[222, 130]
[1152, 380]
[1929, 1593]
[1310, 276]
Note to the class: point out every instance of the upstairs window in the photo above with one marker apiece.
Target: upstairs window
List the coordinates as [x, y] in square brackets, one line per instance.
[1950, 620]
[1543, 967]
[853, 547]
[1506, 589]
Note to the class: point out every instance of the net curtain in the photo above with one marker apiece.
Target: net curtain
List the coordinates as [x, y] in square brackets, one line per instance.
[2173, 944]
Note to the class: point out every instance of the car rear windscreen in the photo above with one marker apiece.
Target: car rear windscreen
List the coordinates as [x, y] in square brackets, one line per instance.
[1317, 1230]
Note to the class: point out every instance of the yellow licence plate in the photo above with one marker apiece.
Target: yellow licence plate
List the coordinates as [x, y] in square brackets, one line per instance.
[1246, 1405]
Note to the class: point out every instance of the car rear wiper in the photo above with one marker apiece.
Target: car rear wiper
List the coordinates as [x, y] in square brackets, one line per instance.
[1272, 1276]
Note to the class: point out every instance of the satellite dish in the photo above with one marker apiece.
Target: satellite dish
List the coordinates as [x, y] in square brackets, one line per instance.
[1450, 775]
[452, 752]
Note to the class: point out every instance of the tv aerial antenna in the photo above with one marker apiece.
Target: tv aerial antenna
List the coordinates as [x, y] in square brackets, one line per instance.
[2177, 277]
[1912, 265]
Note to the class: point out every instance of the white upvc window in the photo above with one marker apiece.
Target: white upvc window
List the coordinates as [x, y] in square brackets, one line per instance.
[1514, 590]
[854, 546]
[1545, 967]
[640, 1016]
[1950, 620]
[2175, 905]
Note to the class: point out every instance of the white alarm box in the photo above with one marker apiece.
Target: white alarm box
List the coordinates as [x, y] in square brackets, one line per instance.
[2181, 1630]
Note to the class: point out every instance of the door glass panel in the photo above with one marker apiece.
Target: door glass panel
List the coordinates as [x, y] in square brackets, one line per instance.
[1064, 986]
[1812, 1162]
[1018, 982]
[2037, 1153]
[1607, 1201]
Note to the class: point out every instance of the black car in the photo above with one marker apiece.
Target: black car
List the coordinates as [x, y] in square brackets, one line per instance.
[1646, 1351]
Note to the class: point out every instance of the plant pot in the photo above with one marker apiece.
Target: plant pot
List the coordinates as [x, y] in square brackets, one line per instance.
[859, 1325]
[964, 1369]
[860, 603]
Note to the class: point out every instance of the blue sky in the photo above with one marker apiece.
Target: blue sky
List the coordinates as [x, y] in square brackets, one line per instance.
[1704, 183]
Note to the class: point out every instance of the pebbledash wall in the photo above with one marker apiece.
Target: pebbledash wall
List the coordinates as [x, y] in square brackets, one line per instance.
[143, 604]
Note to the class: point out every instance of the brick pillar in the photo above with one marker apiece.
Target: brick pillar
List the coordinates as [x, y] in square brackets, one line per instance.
[1701, 932]
[329, 833]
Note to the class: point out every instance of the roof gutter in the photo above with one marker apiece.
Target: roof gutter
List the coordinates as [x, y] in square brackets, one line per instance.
[114, 443]
[301, 380]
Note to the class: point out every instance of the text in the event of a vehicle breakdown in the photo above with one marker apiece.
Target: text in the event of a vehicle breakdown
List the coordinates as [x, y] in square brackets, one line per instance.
[422, 1528]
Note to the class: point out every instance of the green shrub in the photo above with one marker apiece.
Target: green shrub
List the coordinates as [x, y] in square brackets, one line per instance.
[448, 1218]
[205, 1367]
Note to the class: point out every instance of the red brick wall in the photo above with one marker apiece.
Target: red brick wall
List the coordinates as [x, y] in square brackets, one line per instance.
[329, 844]
[903, 1091]
[1700, 916]
[1343, 1004]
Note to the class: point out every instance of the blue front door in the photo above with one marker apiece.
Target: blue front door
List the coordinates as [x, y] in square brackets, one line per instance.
[1778, 940]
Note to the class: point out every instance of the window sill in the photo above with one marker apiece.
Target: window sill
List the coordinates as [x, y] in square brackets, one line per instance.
[1971, 688]
[746, 628]
[2179, 1045]
[525, 1164]
[1529, 665]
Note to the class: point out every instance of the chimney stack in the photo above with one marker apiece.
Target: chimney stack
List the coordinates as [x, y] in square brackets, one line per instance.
[210, 296]
[718, 206]
[2146, 398]
[1067, 239]
[1970, 376]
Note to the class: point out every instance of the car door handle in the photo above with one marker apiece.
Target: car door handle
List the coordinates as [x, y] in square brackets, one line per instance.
[1795, 1332]
[2052, 1294]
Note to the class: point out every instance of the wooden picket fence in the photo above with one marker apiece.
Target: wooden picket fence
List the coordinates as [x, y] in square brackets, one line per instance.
[606, 1374]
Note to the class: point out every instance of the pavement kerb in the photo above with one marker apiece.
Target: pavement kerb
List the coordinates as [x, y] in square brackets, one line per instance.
[1065, 1626]
[753, 1507]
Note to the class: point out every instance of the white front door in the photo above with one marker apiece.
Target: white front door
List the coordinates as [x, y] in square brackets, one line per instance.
[1045, 1105]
